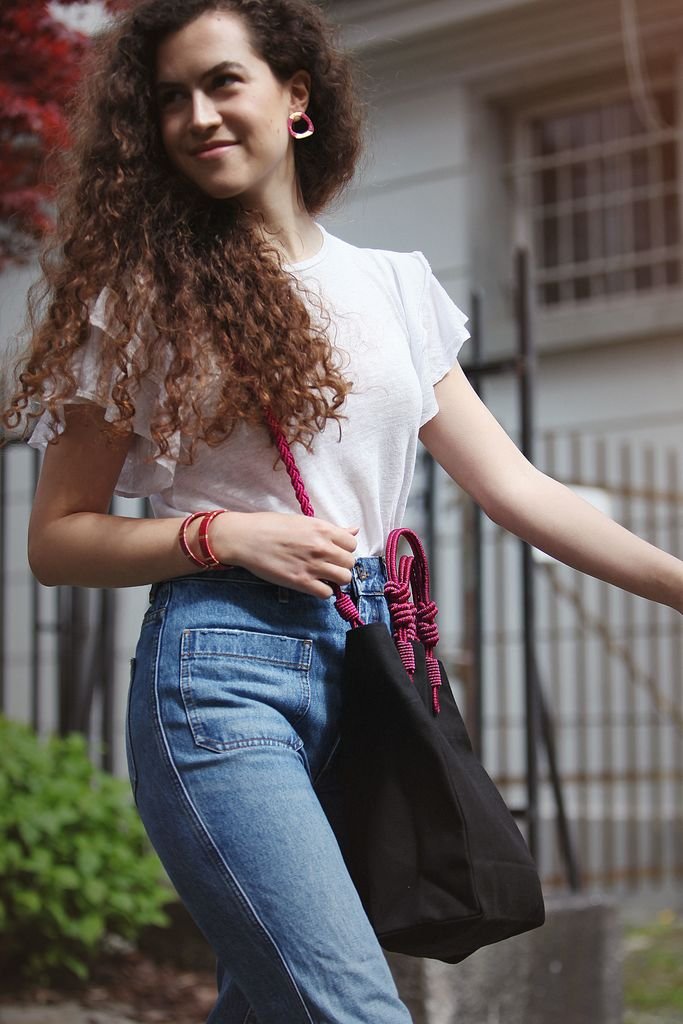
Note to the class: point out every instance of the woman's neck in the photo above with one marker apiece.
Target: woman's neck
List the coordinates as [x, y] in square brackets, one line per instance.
[285, 221]
[298, 238]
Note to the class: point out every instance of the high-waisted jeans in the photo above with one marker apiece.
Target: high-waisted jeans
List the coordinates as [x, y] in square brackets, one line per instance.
[232, 729]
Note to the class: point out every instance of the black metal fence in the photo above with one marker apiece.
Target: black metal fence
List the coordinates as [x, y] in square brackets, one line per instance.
[58, 647]
[614, 665]
[609, 671]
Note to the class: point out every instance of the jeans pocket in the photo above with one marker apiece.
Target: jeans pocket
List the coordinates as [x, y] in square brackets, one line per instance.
[130, 757]
[244, 688]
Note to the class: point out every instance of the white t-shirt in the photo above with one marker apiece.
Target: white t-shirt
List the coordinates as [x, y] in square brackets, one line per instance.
[401, 334]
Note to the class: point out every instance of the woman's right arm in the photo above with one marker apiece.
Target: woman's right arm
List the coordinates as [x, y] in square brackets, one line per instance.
[74, 541]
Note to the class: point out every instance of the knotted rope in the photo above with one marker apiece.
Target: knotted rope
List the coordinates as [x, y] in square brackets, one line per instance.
[402, 610]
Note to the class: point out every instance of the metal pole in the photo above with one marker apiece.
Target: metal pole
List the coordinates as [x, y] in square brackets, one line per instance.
[107, 628]
[72, 631]
[429, 505]
[526, 381]
[566, 843]
[63, 657]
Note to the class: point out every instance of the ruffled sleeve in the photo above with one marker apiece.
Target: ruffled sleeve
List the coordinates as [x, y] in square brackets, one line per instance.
[144, 472]
[437, 336]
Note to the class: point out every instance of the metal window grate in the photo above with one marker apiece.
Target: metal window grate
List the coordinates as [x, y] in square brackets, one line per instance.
[604, 201]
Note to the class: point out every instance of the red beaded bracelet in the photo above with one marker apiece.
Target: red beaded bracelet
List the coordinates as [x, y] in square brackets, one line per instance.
[183, 541]
[210, 559]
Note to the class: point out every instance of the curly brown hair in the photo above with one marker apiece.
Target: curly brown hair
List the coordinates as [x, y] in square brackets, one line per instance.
[223, 325]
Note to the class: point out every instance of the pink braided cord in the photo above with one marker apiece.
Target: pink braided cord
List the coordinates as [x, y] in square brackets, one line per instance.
[427, 630]
[290, 463]
[407, 654]
[434, 677]
[342, 602]
[424, 610]
[402, 609]
[345, 606]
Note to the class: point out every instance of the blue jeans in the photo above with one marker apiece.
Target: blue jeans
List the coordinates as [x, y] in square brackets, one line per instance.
[232, 728]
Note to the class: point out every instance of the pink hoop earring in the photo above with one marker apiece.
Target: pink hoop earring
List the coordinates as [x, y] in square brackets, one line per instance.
[295, 118]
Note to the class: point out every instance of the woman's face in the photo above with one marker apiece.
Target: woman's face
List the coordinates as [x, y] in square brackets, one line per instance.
[223, 113]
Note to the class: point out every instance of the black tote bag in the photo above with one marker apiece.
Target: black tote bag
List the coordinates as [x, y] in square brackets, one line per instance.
[436, 856]
[438, 860]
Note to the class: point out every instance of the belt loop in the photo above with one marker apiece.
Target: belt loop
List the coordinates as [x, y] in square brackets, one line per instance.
[351, 588]
[159, 593]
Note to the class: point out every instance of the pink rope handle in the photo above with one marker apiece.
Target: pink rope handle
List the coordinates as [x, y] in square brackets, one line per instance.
[401, 609]
[410, 620]
[342, 602]
[425, 609]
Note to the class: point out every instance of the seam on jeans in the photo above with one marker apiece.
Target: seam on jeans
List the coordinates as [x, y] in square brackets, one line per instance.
[132, 766]
[302, 666]
[204, 837]
[152, 615]
[328, 761]
[252, 741]
[229, 580]
[153, 662]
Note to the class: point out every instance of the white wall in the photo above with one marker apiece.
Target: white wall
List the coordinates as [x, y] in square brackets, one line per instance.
[413, 192]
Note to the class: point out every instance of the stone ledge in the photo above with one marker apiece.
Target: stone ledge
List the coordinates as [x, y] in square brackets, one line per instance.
[567, 972]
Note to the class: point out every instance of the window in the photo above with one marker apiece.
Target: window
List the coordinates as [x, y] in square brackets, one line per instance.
[604, 203]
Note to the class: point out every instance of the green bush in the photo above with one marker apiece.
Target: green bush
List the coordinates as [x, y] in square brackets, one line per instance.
[75, 864]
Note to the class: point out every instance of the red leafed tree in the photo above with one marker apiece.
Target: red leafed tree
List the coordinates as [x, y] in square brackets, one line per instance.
[39, 69]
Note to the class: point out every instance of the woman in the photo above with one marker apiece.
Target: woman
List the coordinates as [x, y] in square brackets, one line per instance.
[193, 290]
